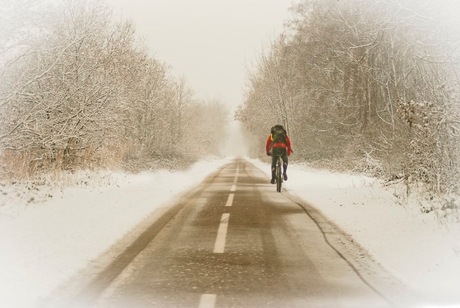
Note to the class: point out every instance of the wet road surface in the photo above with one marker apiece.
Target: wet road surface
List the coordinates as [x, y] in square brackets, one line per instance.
[236, 242]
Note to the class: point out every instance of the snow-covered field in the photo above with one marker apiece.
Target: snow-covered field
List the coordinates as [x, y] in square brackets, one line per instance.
[49, 233]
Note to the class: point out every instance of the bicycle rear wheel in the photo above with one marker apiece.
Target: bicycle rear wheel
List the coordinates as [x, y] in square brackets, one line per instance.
[278, 178]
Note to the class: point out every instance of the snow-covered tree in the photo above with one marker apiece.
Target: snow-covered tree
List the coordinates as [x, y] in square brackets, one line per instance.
[337, 76]
[83, 93]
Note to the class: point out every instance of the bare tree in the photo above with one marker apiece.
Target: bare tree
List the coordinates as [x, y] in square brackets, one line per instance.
[206, 129]
[340, 74]
[83, 93]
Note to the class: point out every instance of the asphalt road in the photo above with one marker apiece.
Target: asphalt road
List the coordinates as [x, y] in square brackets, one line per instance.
[235, 242]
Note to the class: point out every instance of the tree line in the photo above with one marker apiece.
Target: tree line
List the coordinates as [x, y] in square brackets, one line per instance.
[77, 90]
[364, 85]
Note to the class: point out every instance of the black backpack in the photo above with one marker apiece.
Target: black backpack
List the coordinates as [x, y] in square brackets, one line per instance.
[278, 134]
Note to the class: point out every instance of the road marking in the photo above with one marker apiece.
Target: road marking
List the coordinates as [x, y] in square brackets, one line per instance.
[230, 200]
[233, 188]
[207, 301]
[219, 246]
[236, 174]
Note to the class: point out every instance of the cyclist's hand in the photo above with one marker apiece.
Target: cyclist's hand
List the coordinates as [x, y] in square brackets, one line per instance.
[269, 154]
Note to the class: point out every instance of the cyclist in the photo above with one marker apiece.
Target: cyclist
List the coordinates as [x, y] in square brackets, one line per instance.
[278, 144]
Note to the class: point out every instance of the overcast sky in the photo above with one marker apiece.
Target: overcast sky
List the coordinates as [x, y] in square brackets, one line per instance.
[208, 42]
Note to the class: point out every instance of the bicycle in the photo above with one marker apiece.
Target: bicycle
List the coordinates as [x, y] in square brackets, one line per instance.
[278, 173]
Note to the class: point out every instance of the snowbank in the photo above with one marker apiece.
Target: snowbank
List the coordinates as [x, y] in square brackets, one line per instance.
[48, 233]
[421, 249]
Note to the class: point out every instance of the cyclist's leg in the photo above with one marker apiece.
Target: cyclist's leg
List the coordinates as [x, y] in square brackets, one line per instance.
[285, 165]
[274, 157]
[276, 152]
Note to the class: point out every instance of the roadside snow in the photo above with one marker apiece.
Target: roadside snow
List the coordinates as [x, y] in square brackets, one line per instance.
[421, 249]
[45, 240]
[47, 233]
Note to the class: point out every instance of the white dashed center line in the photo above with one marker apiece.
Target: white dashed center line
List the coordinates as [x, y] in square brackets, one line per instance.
[207, 301]
[219, 246]
[230, 200]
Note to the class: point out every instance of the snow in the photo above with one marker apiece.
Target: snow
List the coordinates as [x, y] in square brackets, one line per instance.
[48, 240]
[50, 232]
[421, 249]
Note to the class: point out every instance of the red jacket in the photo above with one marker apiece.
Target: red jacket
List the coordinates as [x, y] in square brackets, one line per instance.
[270, 144]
